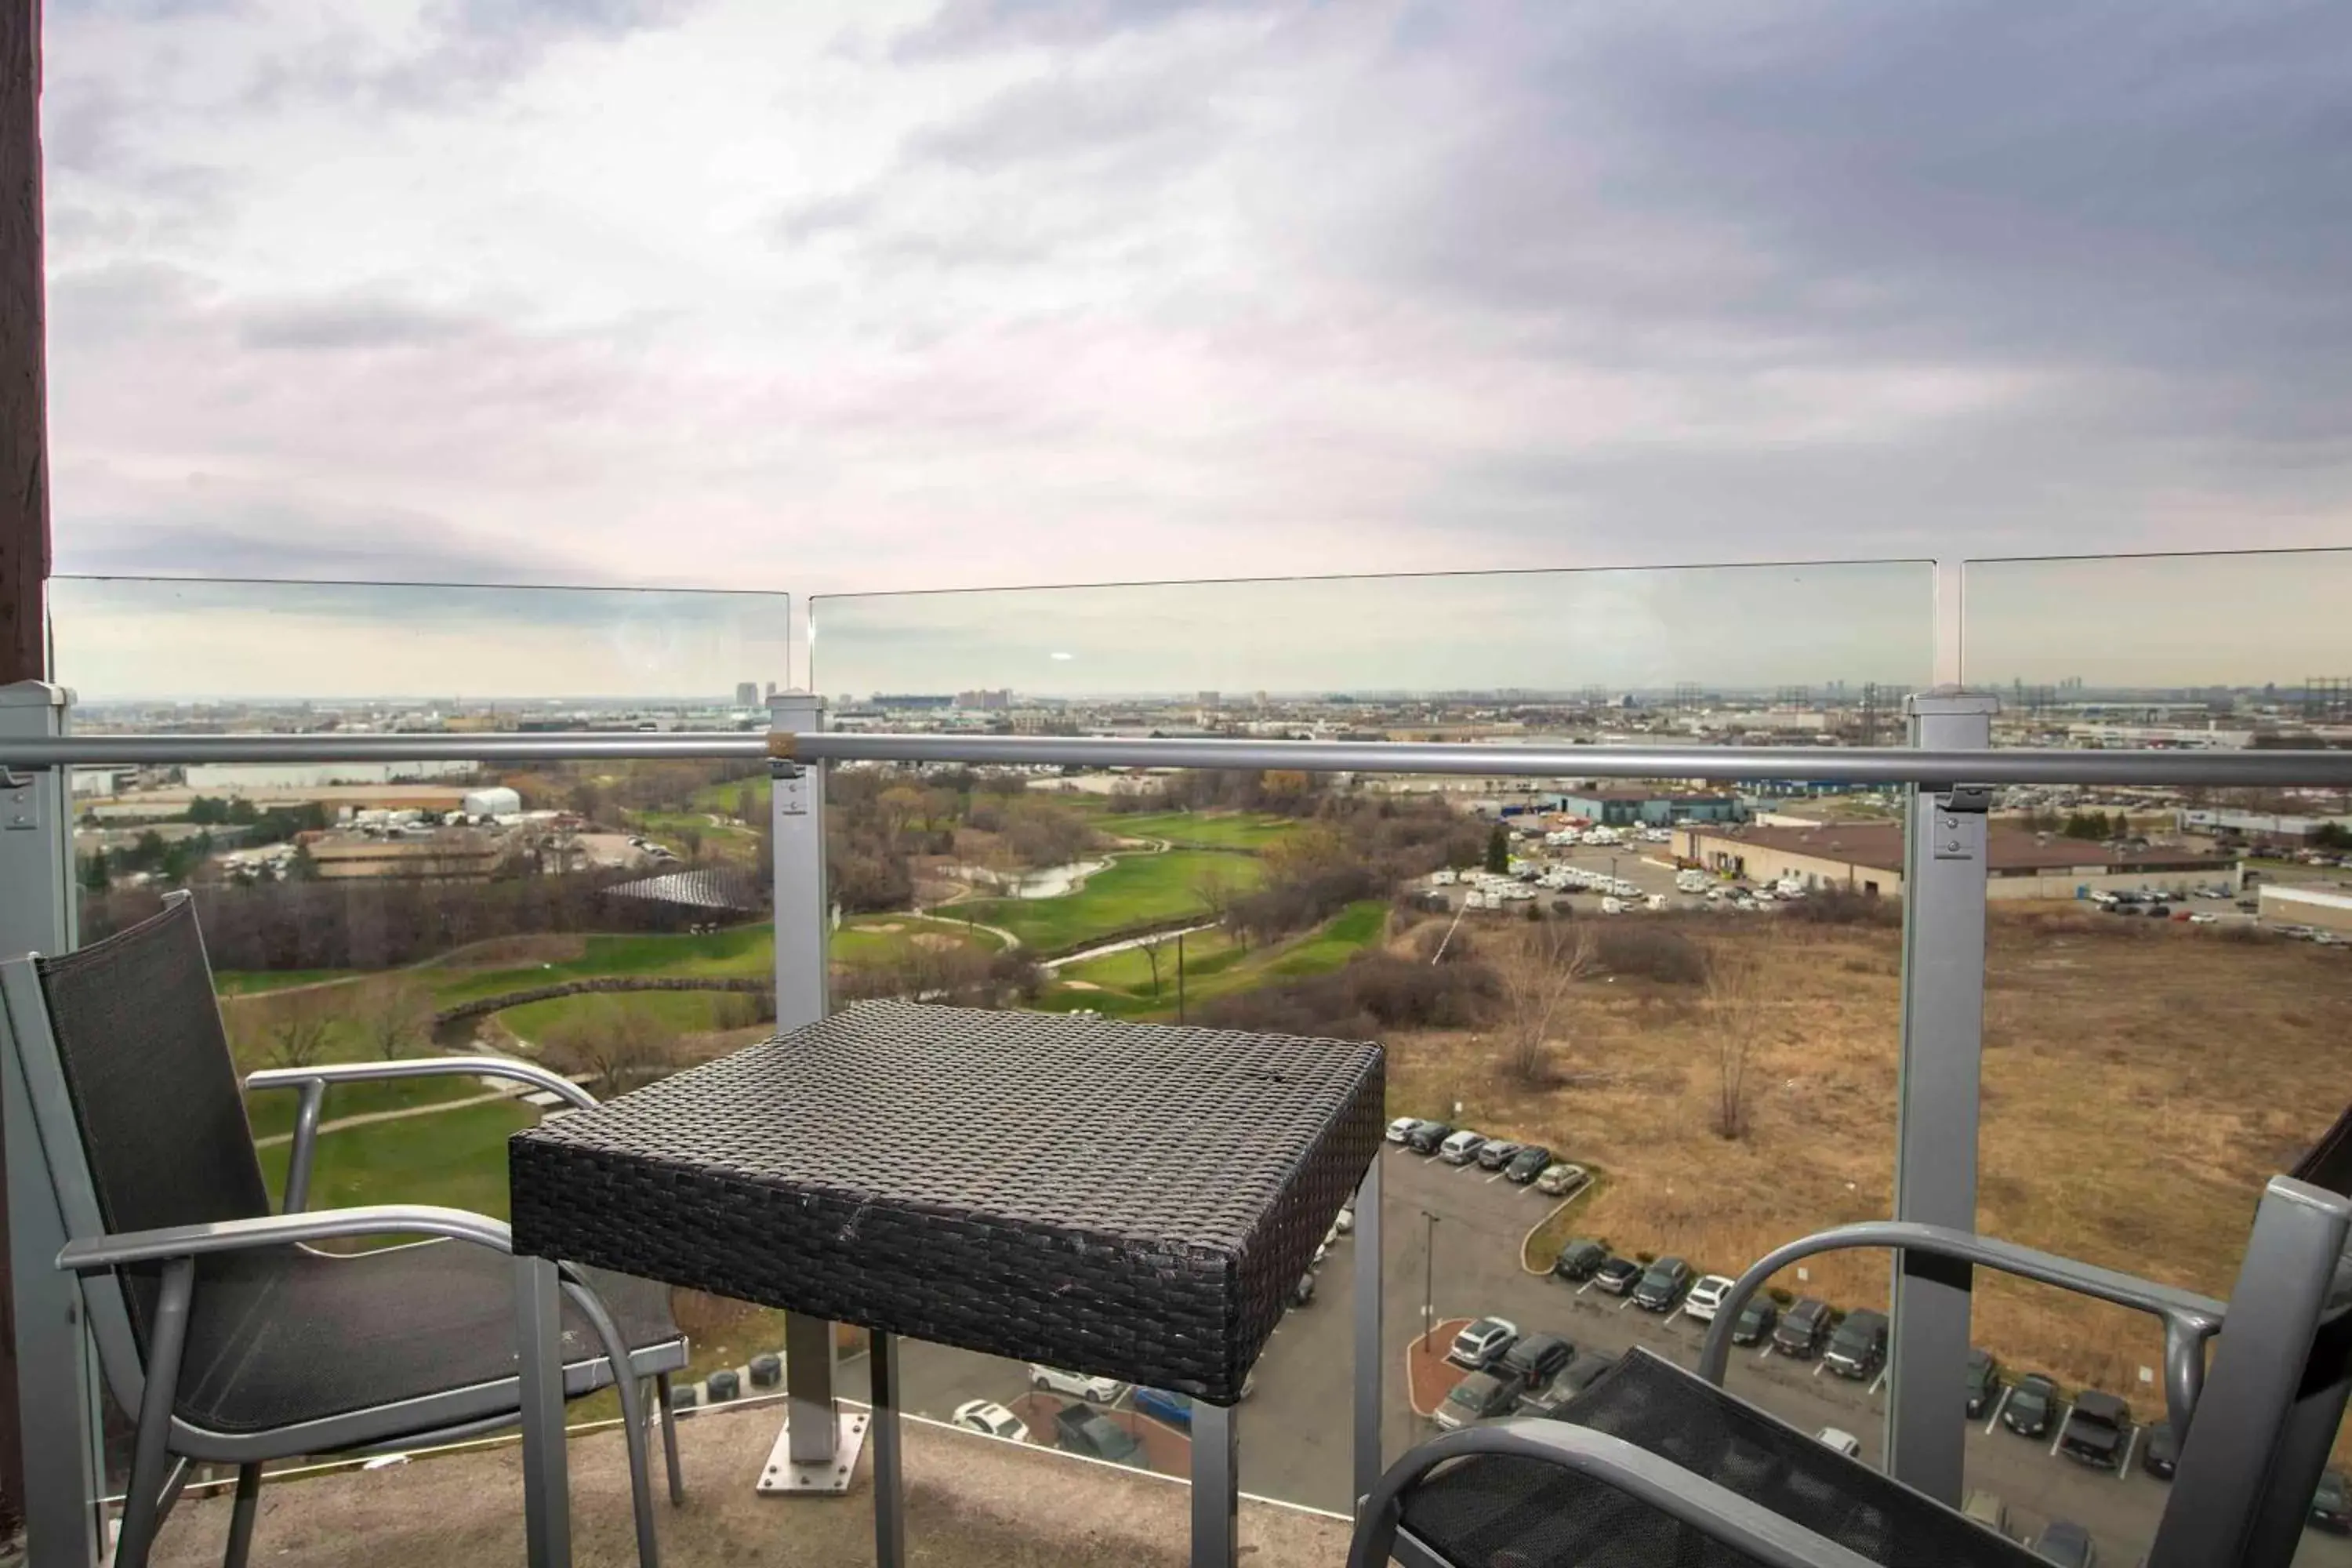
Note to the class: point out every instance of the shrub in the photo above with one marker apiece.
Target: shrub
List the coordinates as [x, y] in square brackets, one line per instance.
[1376, 992]
[1649, 949]
[1842, 907]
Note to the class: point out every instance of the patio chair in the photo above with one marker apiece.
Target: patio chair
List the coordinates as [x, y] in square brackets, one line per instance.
[221, 1330]
[1654, 1464]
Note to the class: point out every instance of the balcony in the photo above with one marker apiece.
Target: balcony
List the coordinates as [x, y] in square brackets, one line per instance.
[969, 1500]
[2111, 1126]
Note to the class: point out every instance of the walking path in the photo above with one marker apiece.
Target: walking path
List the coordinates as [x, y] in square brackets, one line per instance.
[1054, 964]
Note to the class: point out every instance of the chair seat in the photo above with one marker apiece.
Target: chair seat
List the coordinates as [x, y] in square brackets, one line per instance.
[1499, 1508]
[289, 1335]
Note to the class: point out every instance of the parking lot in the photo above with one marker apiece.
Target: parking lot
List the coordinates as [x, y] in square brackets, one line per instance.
[1294, 1427]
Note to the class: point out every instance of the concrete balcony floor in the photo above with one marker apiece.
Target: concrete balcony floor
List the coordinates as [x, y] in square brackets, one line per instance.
[969, 1499]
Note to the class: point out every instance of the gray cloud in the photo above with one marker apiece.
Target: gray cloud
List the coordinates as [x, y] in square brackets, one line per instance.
[971, 26]
[355, 323]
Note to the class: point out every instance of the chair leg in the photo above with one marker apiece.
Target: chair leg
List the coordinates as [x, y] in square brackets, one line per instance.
[633, 1418]
[142, 1500]
[240, 1518]
[669, 1440]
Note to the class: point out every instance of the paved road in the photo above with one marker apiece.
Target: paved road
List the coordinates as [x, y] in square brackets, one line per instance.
[1294, 1427]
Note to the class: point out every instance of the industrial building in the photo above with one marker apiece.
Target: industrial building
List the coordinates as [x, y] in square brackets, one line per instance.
[2259, 824]
[2286, 904]
[1648, 809]
[450, 855]
[495, 801]
[1867, 857]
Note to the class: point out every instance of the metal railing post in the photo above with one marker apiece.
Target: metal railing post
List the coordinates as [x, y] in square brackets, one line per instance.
[1944, 890]
[55, 1384]
[818, 1449]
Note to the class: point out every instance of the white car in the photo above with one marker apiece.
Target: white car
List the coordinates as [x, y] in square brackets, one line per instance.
[1845, 1442]
[1346, 1222]
[989, 1416]
[1706, 1297]
[1556, 1180]
[1093, 1390]
[1399, 1128]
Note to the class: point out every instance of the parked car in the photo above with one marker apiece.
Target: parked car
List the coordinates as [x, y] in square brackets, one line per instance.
[2331, 1507]
[2030, 1406]
[1482, 1344]
[1706, 1296]
[1837, 1437]
[1987, 1509]
[1497, 1152]
[1757, 1320]
[1616, 1274]
[1803, 1328]
[1547, 1399]
[989, 1416]
[2063, 1541]
[1984, 1382]
[1586, 1370]
[1304, 1292]
[1079, 1429]
[1537, 1358]
[1859, 1346]
[1561, 1180]
[1077, 1384]
[1427, 1137]
[1346, 1224]
[2094, 1429]
[2161, 1455]
[1161, 1405]
[1528, 1163]
[1481, 1396]
[1401, 1126]
[1580, 1258]
[1662, 1285]
[1460, 1148]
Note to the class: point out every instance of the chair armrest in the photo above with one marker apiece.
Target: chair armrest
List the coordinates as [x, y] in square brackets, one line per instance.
[1713, 1509]
[424, 1067]
[279, 1230]
[2188, 1319]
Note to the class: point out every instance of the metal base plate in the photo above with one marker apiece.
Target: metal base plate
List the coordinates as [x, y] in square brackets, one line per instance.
[780, 1475]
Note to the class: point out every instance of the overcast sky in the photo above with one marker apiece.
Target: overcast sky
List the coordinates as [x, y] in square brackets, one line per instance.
[884, 295]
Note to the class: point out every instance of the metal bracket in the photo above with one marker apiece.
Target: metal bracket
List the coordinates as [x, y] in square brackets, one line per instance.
[20, 809]
[1962, 814]
[791, 782]
[780, 1475]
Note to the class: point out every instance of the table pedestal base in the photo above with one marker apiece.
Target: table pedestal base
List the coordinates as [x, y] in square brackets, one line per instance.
[780, 1475]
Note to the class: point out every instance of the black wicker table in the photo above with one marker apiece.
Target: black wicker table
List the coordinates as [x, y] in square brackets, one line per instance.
[1122, 1200]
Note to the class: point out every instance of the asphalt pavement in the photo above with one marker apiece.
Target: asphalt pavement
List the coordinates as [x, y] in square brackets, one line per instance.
[1294, 1428]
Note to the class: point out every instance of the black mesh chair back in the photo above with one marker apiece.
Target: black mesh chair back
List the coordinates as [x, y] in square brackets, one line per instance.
[154, 1087]
[1533, 1514]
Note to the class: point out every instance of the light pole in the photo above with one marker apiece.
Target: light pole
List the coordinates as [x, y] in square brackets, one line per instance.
[1428, 1278]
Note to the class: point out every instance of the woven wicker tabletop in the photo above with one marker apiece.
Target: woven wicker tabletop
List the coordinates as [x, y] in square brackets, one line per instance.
[1122, 1199]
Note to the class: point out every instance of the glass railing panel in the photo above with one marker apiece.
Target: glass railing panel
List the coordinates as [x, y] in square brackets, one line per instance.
[608, 919]
[1563, 1011]
[2169, 979]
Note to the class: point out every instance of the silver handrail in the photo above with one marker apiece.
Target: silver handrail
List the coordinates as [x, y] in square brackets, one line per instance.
[1855, 764]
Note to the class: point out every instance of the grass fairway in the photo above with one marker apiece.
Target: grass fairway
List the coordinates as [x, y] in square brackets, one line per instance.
[1134, 893]
[680, 1011]
[1200, 829]
[457, 1158]
[253, 981]
[1119, 983]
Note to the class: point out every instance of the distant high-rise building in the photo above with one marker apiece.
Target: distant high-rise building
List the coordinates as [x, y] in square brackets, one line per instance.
[984, 700]
[1262, 702]
[746, 694]
[772, 692]
[1208, 700]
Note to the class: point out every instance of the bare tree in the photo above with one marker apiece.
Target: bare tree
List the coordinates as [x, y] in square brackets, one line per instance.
[616, 1046]
[1152, 946]
[398, 1016]
[1215, 893]
[297, 1029]
[1540, 971]
[1735, 1014]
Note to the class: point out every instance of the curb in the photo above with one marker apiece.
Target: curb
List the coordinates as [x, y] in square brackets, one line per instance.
[1449, 1327]
[1551, 1214]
